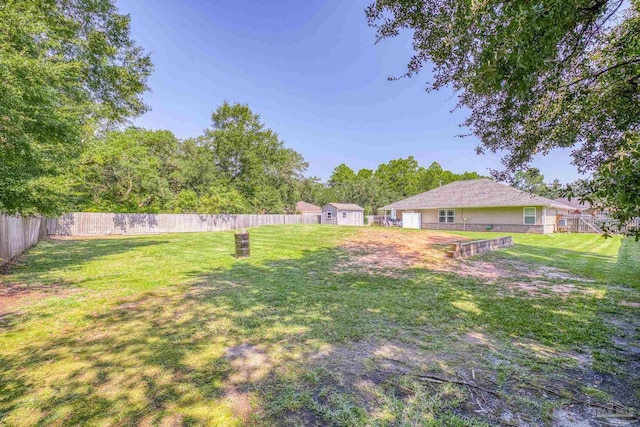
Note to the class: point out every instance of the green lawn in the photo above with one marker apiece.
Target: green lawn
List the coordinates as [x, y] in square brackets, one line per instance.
[173, 330]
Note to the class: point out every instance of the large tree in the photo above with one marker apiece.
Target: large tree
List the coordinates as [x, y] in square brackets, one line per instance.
[68, 68]
[251, 158]
[531, 180]
[535, 75]
[127, 171]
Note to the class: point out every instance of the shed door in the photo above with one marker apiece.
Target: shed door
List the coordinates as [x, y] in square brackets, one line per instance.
[355, 217]
[411, 219]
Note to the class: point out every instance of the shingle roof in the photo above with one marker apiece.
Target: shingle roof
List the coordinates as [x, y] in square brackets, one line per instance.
[475, 193]
[307, 207]
[346, 206]
[574, 203]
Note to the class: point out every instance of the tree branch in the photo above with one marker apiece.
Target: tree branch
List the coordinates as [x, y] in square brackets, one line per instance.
[601, 72]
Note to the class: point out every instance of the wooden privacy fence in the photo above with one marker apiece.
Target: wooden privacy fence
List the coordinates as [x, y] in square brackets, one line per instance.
[18, 234]
[90, 223]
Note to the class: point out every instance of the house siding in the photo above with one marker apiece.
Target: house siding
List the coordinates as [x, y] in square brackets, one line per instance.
[334, 215]
[352, 217]
[501, 228]
[503, 219]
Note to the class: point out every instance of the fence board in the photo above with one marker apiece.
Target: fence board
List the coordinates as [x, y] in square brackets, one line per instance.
[574, 223]
[17, 234]
[90, 223]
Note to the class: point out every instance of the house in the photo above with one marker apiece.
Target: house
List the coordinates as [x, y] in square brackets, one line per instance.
[342, 214]
[478, 205]
[305, 208]
[577, 207]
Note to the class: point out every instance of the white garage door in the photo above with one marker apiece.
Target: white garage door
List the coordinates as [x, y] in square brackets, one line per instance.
[411, 219]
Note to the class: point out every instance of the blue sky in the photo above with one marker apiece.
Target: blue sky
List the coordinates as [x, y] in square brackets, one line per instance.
[312, 71]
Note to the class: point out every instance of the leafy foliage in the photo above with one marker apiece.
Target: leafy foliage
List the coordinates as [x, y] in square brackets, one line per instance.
[534, 75]
[237, 166]
[67, 68]
[251, 159]
[128, 171]
[615, 183]
[395, 180]
[532, 180]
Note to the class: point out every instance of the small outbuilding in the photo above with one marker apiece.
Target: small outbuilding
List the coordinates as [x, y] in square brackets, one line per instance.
[305, 208]
[342, 214]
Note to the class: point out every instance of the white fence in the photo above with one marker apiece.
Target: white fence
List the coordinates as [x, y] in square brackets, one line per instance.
[593, 224]
[90, 223]
[18, 234]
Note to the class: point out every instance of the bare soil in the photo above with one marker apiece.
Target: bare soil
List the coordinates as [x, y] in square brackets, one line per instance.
[249, 364]
[14, 295]
[474, 362]
[389, 253]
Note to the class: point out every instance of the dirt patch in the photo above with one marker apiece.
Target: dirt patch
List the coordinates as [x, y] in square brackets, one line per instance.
[389, 252]
[477, 363]
[393, 253]
[518, 276]
[13, 295]
[249, 364]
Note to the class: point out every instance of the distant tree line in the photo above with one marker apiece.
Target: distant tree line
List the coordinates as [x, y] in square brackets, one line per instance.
[238, 165]
[72, 75]
[390, 182]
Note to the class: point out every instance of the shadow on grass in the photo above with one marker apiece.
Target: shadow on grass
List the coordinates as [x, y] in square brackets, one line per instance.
[70, 254]
[32, 279]
[590, 265]
[627, 268]
[249, 333]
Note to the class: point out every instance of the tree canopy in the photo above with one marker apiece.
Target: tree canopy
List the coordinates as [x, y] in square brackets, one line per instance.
[535, 75]
[127, 171]
[390, 182]
[68, 68]
[238, 165]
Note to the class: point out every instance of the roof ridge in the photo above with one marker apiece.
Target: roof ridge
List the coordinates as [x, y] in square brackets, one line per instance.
[482, 192]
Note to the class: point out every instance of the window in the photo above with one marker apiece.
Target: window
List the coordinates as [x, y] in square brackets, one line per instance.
[529, 216]
[328, 215]
[446, 216]
[344, 214]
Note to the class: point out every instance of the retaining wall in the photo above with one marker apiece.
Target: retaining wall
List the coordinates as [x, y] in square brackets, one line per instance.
[478, 247]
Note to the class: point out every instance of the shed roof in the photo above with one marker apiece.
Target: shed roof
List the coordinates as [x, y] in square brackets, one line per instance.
[477, 193]
[307, 207]
[346, 206]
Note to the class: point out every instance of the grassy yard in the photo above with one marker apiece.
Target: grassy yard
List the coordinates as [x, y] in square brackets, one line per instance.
[320, 326]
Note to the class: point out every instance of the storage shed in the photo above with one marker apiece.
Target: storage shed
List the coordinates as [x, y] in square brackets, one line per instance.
[342, 214]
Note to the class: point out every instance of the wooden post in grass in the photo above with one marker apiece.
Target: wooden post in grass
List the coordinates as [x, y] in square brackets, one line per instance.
[242, 244]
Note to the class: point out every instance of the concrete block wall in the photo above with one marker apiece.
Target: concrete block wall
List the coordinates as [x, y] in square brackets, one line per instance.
[478, 247]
